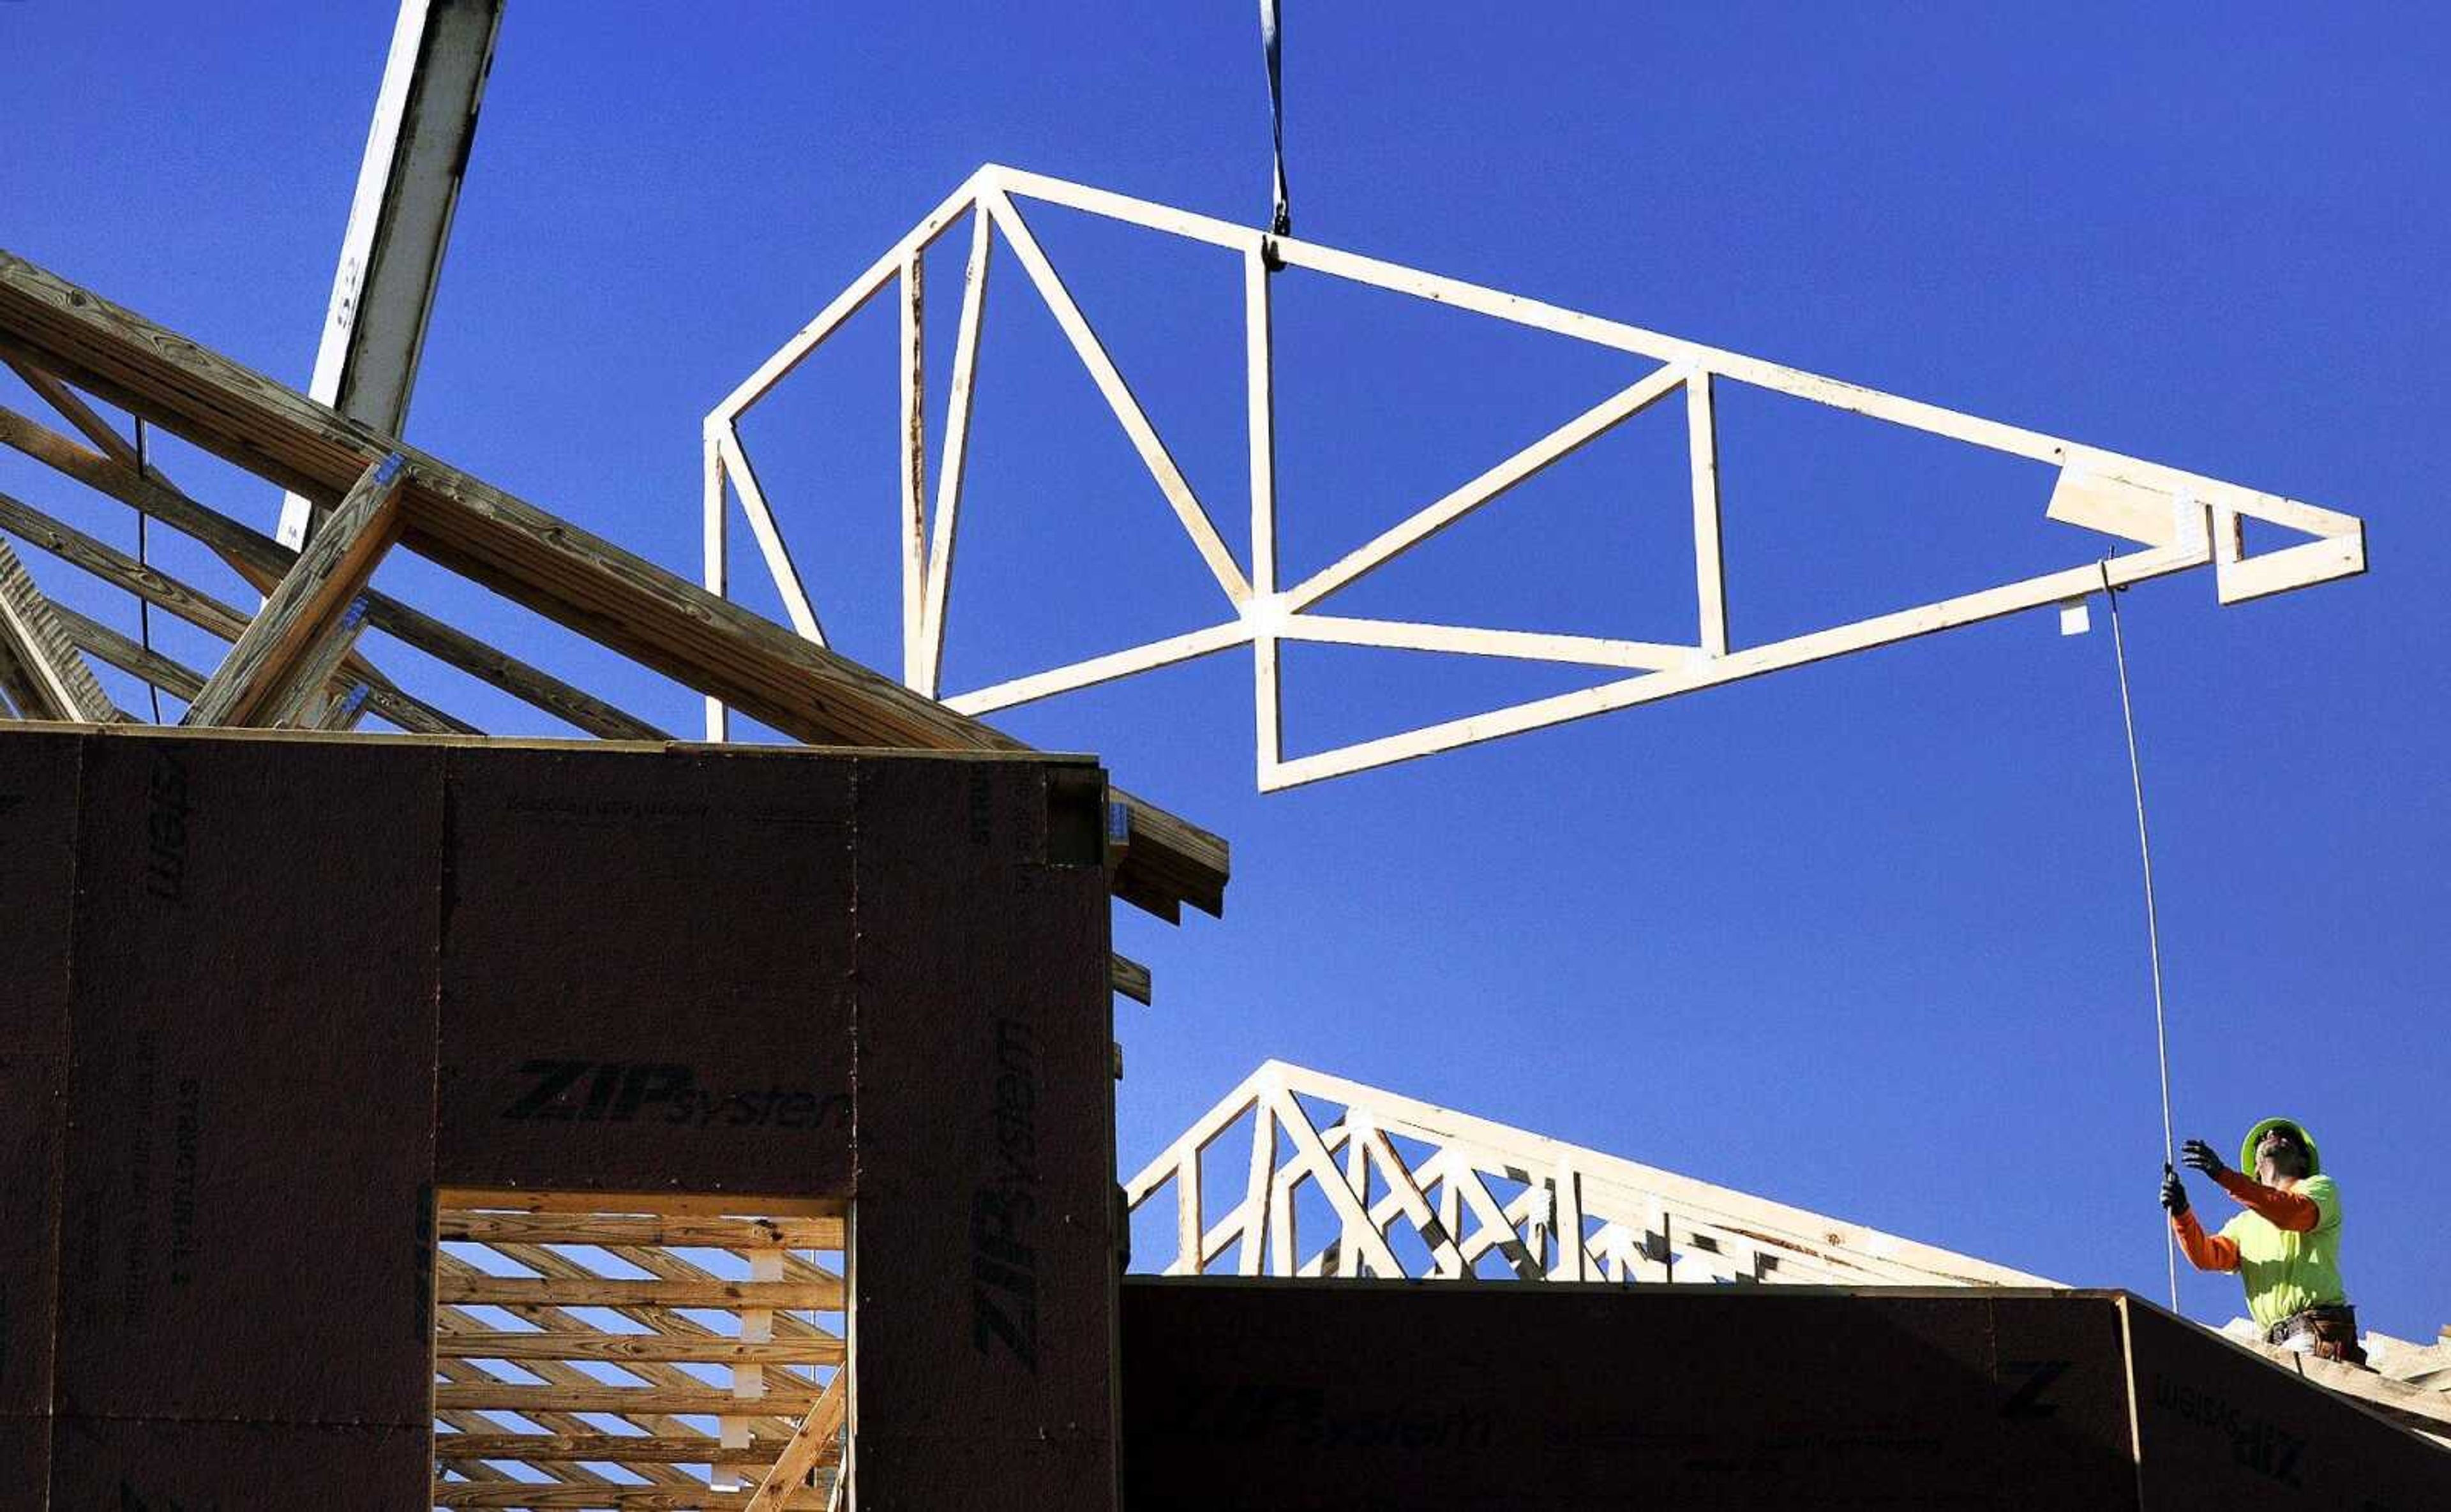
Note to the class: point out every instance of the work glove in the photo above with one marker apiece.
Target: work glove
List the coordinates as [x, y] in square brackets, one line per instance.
[2174, 1195]
[2197, 1155]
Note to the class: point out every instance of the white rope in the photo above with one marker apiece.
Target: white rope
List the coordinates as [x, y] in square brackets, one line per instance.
[2152, 916]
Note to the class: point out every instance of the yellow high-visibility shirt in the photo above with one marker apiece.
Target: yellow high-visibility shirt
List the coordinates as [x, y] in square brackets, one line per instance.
[2286, 1272]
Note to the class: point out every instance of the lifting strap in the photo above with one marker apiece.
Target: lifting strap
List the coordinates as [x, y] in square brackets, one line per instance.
[1280, 222]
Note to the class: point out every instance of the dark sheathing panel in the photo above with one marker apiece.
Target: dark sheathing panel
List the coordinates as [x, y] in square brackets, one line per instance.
[646, 972]
[38, 815]
[2222, 1427]
[251, 1154]
[38, 774]
[985, 1269]
[123, 1464]
[1516, 1398]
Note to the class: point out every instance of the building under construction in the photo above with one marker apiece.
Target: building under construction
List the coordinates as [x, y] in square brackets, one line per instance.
[421, 1119]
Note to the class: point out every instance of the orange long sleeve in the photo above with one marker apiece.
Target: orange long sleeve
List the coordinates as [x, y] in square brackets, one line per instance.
[2284, 1210]
[2205, 1251]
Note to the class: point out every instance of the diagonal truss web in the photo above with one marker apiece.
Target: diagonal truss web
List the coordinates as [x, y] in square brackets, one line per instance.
[1072, 551]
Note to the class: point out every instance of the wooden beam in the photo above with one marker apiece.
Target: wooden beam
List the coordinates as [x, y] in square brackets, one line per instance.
[290, 643]
[550, 566]
[1260, 412]
[199, 609]
[682, 1229]
[1702, 454]
[950, 471]
[821, 1296]
[99, 641]
[617, 1498]
[659, 1349]
[913, 470]
[603, 1448]
[261, 562]
[1131, 978]
[53, 680]
[399, 219]
[306, 699]
[1523, 645]
[810, 1446]
[511, 1396]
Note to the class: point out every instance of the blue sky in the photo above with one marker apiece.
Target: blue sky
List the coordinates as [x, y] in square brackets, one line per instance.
[1866, 937]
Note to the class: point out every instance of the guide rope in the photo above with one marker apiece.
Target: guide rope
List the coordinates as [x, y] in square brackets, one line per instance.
[2152, 915]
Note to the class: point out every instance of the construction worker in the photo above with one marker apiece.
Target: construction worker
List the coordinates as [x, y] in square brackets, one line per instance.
[2285, 1247]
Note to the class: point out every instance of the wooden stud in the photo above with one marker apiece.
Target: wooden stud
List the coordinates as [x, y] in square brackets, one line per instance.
[291, 642]
[1702, 450]
[954, 465]
[1258, 365]
[914, 453]
[808, 1449]
[715, 546]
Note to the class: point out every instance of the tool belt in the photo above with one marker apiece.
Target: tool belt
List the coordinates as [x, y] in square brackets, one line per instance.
[2333, 1326]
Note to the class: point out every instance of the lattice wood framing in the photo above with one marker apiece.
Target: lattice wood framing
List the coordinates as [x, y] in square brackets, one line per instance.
[297, 664]
[2183, 520]
[637, 1360]
[1471, 1198]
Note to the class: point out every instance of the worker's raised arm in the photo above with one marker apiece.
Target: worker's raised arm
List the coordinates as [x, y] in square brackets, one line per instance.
[2286, 1210]
[2292, 1210]
[2205, 1251]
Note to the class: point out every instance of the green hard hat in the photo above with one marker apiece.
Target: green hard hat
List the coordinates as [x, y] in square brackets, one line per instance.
[2247, 1151]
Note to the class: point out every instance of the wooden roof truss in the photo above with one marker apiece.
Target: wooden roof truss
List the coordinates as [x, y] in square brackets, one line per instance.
[297, 664]
[2180, 520]
[1400, 1189]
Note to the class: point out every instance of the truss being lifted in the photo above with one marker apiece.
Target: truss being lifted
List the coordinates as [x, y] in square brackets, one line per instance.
[2180, 519]
[1415, 1191]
